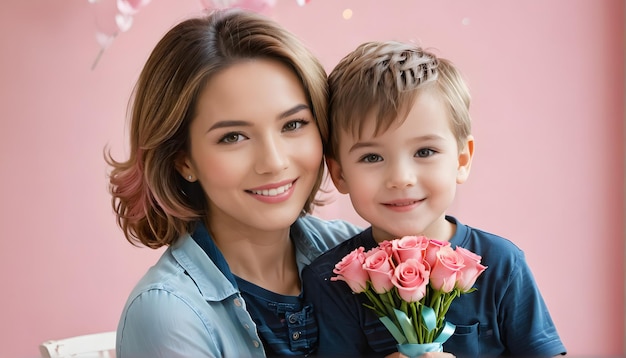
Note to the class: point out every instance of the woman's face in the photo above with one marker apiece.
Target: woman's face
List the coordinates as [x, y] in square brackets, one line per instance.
[255, 146]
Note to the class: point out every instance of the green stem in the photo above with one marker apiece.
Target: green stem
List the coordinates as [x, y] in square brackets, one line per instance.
[436, 304]
[416, 321]
[389, 304]
[376, 302]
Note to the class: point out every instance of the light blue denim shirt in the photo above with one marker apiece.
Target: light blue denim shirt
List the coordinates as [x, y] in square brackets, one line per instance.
[185, 307]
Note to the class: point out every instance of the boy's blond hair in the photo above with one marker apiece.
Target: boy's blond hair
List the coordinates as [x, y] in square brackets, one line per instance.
[385, 77]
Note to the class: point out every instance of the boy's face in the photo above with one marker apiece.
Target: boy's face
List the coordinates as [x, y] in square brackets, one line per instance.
[404, 180]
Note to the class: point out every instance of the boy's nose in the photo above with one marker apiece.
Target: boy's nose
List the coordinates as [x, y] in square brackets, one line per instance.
[400, 176]
[271, 157]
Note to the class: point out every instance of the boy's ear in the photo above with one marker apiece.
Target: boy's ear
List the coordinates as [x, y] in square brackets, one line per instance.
[184, 167]
[465, 160]
[334, 169]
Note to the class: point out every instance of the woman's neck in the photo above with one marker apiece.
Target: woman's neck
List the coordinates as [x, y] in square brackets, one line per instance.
[264, 258]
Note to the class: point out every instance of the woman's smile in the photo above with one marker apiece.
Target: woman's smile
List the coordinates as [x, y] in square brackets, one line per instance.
[274, 193]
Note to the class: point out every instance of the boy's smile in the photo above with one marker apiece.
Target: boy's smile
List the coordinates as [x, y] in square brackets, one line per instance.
[402, 204]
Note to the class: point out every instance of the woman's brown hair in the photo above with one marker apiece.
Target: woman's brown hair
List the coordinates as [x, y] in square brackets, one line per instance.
[152, 202]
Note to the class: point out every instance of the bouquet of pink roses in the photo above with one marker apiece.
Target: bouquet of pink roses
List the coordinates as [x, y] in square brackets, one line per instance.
[410, 283]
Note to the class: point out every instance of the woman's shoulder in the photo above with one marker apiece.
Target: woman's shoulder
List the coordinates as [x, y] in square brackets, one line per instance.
[170, 295]
[319, 229]
[152, 318]
[183, 271]
[318, 223]
[313, 236]
[160, 298]
[165, 277]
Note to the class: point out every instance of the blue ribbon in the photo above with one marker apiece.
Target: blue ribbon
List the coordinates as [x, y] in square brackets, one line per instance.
[430, 320]
[408, 334]
[446, 332]
[407, 327]
[395, 332]
[429, 317]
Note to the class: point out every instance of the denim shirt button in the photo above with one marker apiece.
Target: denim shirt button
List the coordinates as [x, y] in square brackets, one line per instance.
[256, 344]
[293, 318]
[295, 336]
[237, 302]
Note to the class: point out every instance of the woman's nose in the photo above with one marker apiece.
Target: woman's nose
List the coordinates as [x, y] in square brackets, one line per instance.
[271, 156]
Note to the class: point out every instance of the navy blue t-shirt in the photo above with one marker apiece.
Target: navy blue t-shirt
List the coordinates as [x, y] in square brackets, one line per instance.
[286, 326]
[506, 315]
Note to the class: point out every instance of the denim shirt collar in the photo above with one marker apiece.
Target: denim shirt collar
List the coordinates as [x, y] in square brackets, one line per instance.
[305, 246]
[202, 237]
[202, 269]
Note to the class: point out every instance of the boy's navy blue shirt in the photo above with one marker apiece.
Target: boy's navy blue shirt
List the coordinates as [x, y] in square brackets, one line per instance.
[506, 315]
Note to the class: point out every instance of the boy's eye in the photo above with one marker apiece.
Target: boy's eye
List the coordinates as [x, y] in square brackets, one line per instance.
[371, 158]
[232, 138]
[294, 125]
[424, 153]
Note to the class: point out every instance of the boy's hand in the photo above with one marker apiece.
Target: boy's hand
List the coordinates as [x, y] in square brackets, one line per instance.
[437, 355]
[425, 355]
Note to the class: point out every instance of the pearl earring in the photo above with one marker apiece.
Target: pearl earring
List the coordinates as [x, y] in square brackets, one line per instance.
[190, 177]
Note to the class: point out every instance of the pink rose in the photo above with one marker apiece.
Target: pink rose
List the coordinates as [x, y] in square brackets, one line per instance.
[350, 269]
[443, 274]
[387, 246]
[411, 278]
[469, 273]
[431, 251]
[410, 247]
[379, 268]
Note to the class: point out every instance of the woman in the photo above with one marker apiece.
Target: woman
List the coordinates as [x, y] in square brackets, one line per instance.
[227, 126]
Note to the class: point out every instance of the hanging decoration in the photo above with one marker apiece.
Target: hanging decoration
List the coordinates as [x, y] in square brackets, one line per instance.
[254, 5]
[113, 17]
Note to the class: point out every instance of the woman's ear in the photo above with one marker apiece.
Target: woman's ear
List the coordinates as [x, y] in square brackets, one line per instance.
[334, 169]
[465, 160]
[184, 167]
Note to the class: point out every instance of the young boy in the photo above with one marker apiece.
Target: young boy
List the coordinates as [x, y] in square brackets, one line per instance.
[400, 143]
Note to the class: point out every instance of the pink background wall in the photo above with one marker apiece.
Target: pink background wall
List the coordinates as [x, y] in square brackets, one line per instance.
[548, 88]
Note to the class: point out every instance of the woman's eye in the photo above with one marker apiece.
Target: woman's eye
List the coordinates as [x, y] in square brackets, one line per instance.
[371, 158]
[294, 125]
[424, 153]
[232, 138]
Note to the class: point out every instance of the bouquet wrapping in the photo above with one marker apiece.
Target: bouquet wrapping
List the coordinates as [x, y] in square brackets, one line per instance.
[410, 283]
